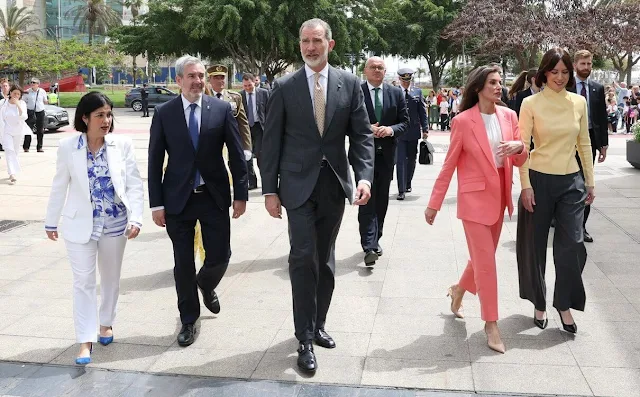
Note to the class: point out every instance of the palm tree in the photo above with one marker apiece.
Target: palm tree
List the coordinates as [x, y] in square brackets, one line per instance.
[135, 6]
[94, 17]
[16, 22]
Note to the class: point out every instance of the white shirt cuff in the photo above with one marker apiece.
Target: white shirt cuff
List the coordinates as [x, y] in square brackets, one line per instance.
[157, 208]
[248, 155]
[366, 182]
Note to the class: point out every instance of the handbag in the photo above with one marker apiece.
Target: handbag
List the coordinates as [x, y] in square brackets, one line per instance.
[426, 152]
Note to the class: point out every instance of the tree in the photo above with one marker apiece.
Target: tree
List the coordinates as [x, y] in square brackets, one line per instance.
[518, 28]
[161, 32]
[413, 28]
[16, 22]
[41, 56]
[260, 36]
[94, 17]
[612, 31]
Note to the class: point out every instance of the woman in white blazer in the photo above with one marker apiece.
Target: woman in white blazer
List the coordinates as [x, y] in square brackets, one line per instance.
[97, 174]
[13, 128]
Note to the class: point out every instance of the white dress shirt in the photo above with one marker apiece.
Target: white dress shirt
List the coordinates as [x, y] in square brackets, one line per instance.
[372, 93]
[579, 84]
[198, 114]
[32, 103]
[187, 113]
[324, 77]
[494, 133]
[254, 108]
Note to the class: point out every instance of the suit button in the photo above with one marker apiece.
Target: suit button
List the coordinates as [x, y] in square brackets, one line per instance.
[191, 182]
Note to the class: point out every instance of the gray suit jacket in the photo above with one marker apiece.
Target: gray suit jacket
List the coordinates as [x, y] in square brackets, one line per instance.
[292, 148]
[261, 98]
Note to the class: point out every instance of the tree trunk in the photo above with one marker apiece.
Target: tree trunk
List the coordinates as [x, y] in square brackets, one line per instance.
[134, 71]
[629, 67]
[21, 78]
[436, 74]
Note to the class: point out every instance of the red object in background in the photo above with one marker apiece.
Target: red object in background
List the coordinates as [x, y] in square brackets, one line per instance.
[73, 83]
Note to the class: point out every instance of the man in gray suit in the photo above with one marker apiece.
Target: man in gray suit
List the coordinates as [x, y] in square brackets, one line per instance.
[304, 164]
[254, 100]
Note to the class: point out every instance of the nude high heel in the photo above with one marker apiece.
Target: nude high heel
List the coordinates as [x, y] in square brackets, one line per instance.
[454, 310]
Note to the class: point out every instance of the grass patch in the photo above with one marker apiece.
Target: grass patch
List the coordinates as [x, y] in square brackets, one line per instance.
[71, 99]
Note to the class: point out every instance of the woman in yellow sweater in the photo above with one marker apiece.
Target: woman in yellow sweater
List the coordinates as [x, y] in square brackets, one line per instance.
[553, 187]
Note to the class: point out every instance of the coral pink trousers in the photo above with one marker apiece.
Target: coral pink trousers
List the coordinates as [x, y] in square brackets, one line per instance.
[479, 277]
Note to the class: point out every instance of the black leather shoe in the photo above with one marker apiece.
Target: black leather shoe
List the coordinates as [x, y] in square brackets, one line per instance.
[587, 237]
[379, 250]
[370, 257]
[324, 339]
[409, 189]
[306, 357]
[187, 335]
[400, 196]
[210, 300]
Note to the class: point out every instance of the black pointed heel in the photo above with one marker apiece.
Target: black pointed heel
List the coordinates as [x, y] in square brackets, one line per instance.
[571, 328]
[542, 324]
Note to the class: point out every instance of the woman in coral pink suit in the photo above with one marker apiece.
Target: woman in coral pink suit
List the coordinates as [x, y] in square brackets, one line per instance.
[485, 144]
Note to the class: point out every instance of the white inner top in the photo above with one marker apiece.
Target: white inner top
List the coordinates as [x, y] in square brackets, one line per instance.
[494, 133]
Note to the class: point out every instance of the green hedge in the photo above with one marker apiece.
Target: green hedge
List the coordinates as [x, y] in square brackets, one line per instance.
[71, 99]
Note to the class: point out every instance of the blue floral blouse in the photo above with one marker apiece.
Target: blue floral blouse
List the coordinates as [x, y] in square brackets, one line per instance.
[109, 212]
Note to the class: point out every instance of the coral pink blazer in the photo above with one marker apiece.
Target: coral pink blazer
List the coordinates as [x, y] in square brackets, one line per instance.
[478, 178]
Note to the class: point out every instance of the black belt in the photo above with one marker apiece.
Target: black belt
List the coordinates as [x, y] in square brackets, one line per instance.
[199, 189]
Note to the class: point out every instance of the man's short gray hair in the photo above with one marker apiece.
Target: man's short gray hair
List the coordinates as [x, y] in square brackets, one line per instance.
[35, 80]
[314, 23]
[185, 61]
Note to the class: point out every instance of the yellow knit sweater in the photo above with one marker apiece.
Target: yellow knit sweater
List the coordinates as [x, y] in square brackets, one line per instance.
[558, 122]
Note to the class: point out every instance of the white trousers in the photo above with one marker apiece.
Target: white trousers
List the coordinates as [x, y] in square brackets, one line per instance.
[12, 146]
[109, 252]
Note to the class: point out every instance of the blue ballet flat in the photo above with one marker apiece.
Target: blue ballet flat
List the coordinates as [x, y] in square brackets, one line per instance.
[85, 360]
[105, 340]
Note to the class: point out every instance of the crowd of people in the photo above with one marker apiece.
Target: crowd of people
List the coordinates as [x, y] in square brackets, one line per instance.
[297, 133]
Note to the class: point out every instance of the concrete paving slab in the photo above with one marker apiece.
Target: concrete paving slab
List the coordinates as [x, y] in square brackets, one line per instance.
[612, 381]
[527, 378]
[423, 374]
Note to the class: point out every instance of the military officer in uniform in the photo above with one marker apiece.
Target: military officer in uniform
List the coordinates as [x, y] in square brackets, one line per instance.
[217, 75]
[407, 149]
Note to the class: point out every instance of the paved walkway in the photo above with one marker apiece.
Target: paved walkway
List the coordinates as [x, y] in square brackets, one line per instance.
[391, 323]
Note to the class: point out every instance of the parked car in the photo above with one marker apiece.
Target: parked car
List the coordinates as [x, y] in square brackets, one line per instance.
[157, 96]
[55, 117]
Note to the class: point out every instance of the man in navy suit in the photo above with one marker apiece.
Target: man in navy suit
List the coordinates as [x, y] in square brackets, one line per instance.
[593, 92]
[192, 130]
[389, 120]
[408, 143]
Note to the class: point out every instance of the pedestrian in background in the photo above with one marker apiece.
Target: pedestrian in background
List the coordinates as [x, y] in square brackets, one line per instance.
[13, 129]
[144, 98]
[35, 98]
[4, 94]
[96, 221]
[485, 145]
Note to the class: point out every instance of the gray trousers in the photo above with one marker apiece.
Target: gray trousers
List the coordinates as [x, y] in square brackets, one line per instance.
[561, 197]
[313, 229]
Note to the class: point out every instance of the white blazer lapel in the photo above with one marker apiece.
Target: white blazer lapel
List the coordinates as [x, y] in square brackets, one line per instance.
[80, 165]
[114, 159]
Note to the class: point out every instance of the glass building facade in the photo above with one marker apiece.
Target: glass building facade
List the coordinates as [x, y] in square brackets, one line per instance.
[60, 19]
